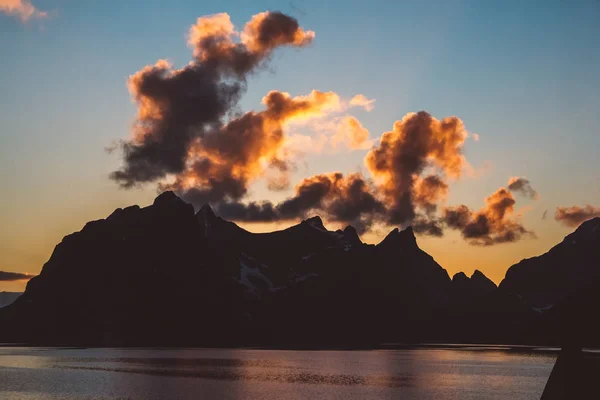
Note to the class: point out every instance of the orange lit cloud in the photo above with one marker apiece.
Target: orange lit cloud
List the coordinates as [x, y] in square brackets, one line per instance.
[22, 9]
[222, 163]
[361, 100]
[190, 136]
[268, 30]
[180, 108]
[352, 134]
[573, 216]
[490, 225]
[430, 191]
[416, 143]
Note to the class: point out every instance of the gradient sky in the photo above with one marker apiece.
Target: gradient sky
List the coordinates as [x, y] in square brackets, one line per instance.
[521, 74]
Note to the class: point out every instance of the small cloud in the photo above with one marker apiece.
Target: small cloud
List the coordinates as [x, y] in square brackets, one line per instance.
[475, 137]
[523, 186]
[360, 100]
[573, 216]
[352, 134]
[545, 214]
[14, 276]
[22, 9]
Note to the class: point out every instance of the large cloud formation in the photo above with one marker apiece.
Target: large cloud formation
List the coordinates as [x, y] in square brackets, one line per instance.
[189, 136]
[222, 163]
[181, 110]
[14, 276]
[573, 216]
[22, 9]
[416, 143]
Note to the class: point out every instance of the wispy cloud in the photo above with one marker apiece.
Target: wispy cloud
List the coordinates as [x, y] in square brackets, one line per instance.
[575, 215]
[22, 9]
[14, 276]
[360, 100]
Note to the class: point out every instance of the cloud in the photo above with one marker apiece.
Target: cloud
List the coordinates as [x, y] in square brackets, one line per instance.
[427, 226]
[523, 186]
[22, 9]
[190, 136]
[346, 199]
[361, 100]
[351, 134]
[222, 163]
[429, 191]
[180, 109]
[475, 137]
[14, 276]
[573, 216]
[490, 225]
[416, 143]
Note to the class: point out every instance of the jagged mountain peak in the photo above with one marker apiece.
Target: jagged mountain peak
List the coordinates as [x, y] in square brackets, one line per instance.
[207, 211]
[400, 239]
[315, 222]
[483, 281]
[351, 235]
[166, 197]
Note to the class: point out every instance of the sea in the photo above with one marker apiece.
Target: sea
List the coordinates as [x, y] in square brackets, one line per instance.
[461, 373]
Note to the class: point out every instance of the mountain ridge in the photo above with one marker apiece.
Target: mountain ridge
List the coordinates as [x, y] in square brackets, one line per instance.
[223, 285]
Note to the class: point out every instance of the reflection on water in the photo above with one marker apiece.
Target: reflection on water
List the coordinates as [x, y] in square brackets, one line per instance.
[111, 374]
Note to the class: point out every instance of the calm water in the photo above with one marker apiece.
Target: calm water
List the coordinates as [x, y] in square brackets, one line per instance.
[111, 374]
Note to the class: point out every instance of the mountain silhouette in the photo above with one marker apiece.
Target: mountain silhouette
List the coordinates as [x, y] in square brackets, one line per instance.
[166, 275]
[545, 280]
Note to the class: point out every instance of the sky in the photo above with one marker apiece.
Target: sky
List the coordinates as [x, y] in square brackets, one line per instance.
[521, 77]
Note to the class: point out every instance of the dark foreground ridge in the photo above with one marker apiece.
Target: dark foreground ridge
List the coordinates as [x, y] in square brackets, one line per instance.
[164, 275]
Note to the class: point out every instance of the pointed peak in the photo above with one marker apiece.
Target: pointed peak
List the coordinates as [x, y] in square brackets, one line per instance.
[480, 278]
[350, 230]
[207, 211]
[401, 239]
[166, 197]
[169, 202]
[351, 235]
[478, 273]
[408, 236]
[315, 222]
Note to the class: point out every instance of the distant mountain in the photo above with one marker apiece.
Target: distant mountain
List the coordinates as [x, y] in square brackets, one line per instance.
[7, 298]
[545, 280]
[165, 275]
[477, 285]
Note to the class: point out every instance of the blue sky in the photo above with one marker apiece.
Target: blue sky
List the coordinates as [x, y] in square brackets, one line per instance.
[522, 75]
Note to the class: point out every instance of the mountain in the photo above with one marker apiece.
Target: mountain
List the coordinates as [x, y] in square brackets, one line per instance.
[545, 280]
[166, 275]
[163, 274]
[477, 285]
[363, 293]
[7, 298]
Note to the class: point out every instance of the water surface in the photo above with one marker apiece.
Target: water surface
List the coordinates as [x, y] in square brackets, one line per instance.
[119, 374]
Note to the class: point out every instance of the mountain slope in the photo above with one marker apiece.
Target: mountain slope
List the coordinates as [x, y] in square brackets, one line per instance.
[7, 298]
[220, 284]
[545, 280]
[164, 275]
